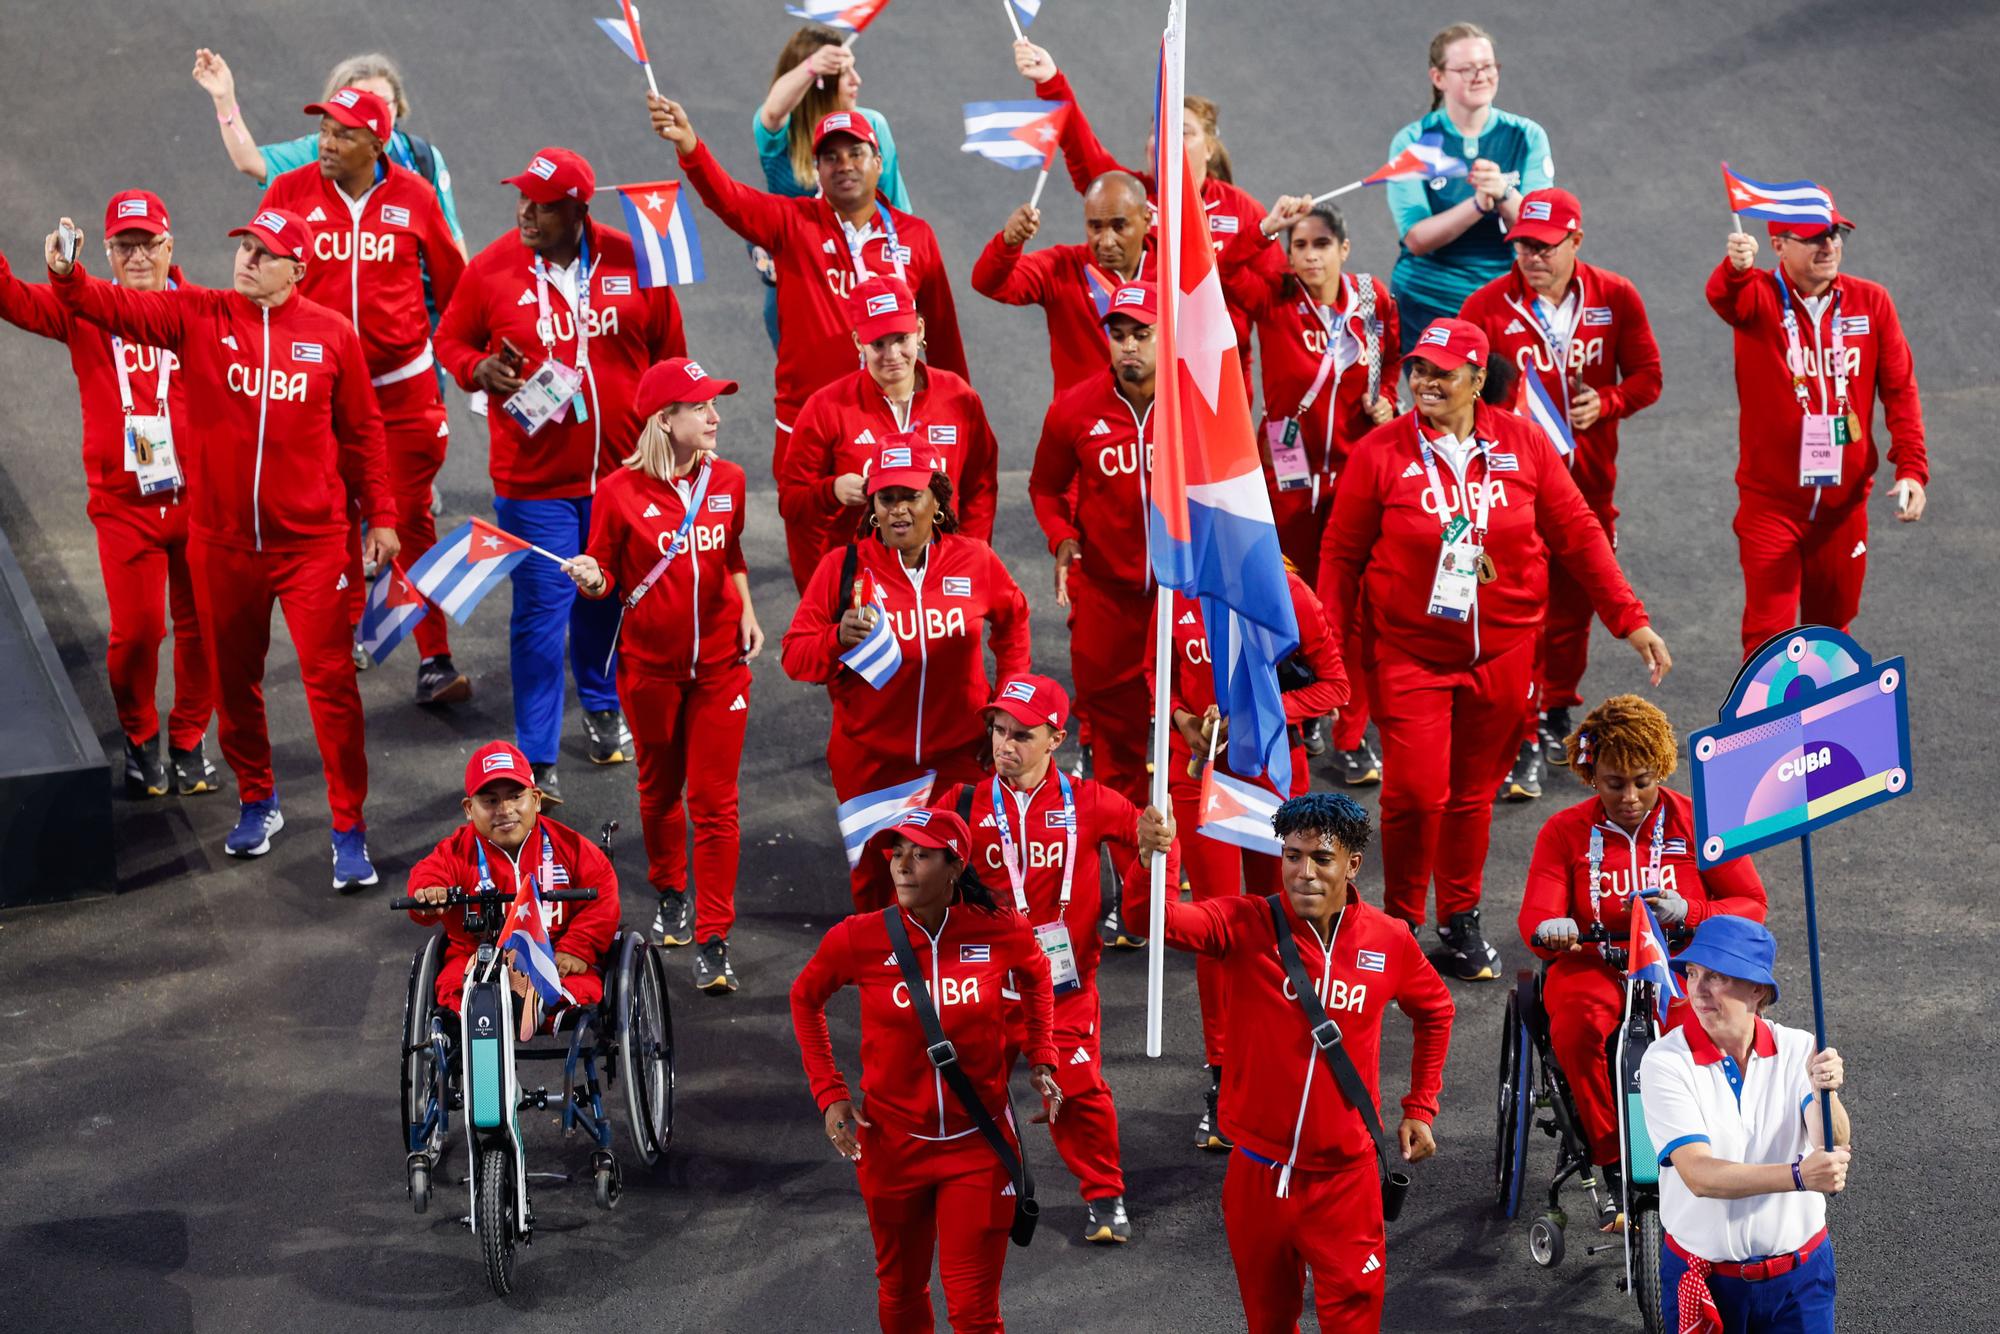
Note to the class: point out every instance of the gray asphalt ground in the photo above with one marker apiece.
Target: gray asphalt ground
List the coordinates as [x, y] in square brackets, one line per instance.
[197, 1079]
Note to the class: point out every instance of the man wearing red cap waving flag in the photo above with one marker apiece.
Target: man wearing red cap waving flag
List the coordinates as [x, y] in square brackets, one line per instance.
[290, 437]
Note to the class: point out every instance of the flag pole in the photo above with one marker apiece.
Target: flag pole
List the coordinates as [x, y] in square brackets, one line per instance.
[1335, 194]
[1019, 36]
[544, 551]
[645, 63]
[1156, 924]
[1034, 200]
[1819, 996]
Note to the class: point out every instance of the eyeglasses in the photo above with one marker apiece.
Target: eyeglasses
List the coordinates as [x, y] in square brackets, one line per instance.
[1530, 249]
[1471, 72]
[127, 249]
[1827, 238]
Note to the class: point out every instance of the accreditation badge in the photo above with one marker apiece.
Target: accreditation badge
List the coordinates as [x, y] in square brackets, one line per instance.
[1054, 940]
[545, 397]
[1821, 438]
[150, 456]
[1455, 586]
[1288, 456]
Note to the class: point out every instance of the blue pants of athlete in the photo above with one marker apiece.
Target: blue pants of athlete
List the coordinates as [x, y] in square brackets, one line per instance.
[545, 604]
[1800, 1302]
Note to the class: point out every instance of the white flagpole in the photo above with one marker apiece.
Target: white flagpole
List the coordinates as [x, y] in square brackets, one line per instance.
[1335, 194]
[1034, 200]
[544, 551]
[640, 42]
[1014, 21]
[1736, 220]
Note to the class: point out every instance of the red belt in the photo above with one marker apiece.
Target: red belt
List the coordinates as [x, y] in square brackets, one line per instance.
[1755, 1271]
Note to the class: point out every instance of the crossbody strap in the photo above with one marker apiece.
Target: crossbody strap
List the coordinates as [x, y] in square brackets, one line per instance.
[1325, 1033]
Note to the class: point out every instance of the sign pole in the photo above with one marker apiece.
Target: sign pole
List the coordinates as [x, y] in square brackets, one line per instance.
[1818, 995]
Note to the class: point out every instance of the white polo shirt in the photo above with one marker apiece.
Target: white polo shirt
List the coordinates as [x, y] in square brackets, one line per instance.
[1696, 1095]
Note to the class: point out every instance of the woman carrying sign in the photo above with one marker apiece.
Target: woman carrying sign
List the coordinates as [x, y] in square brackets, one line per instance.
[933, 1142]
[666, 536]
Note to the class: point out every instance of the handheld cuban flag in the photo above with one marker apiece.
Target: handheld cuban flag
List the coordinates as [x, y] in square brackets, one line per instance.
[1022, 13]
[528, 936]
[1234, 810]
[878, 657]
[1790, 201]
[1015, 134]
[628, 37]
[1646, 955]
[665, 245]
[465, 565]
[1541, 409]
[393, 608]
[848, 16]
[860, 817]
[1422, 160]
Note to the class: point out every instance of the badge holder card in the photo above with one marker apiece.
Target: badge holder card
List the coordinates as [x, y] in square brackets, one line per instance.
[1822, 437]
[150, 456]
[1455, 585]
[1288, 456]
[1055, 943]
[545, 397]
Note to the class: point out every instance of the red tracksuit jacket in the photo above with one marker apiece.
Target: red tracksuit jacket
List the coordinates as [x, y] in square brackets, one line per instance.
[1383, 540]
[933, 703]
[369, 257]
[816, 275]
[1769, 419]
[36, 308]
[1292, 342]
[1559, 872]
[841, 429]
[691, 620]
[1278, 1100]
[1059, 280]
[630, 328]
[289, 428]
[1612, 350]
[1089, 480]
[965, 967]
[583, 929]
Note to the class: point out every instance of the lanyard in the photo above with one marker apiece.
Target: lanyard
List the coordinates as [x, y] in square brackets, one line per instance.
[681, 535]
[486, 875]
[1558, 344]
[1437, 488]
[857, 237]
[1017, 870]
[1328, 363]
[1797, 358]
[125, 376]
[1652, 872]
[547, 326]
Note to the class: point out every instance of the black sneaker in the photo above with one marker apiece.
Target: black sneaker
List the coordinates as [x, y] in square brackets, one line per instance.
[1312, 735]
[673, 924]
[1467, 954]
[1524, 781]
[1208, 1131]
[193, 774]
[1117, 937]
[1608, 1197]
[1360, 767]
[712, 972]
[1555, 730]
[1106, 1222]
[547, 784]
[438, 682]
[609, 737]
[145, 772]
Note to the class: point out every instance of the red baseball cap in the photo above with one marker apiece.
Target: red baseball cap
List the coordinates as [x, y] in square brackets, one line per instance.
[677, 380]
[902, 462]
[358, 109]
[1032, 701]
[1811, 231]
[1449, 344]
[850, 123]
[933, 827]
[1547, 216]
[497, 762]
[1135, 301]
[136, 211]
[880, 306]
[282, 231]
[554, 174]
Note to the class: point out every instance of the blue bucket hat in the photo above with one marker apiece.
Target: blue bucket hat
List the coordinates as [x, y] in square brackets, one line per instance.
[1734, 947]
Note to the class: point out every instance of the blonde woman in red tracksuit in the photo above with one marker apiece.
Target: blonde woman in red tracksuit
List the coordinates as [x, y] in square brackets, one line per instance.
[1443, 524]
[845, 424]
[1214, 868]
[932, 1183]
[1303, 1187]
[666, 538]
[937, 589]
[1633, 834]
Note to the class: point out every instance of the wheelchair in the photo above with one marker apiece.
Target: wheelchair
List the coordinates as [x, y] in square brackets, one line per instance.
[466, 1063]
[1535, 1094]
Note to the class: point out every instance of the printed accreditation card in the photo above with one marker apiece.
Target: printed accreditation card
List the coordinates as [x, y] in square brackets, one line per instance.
[1455, 586]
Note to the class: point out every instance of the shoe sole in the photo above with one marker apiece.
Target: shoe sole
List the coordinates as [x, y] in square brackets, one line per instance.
[199, 789]
[352, 886]
[1128, 943]
[1104, 1236]
[457, 692]
[1214, 1144]
[616, 757]
[1369, 779]
[1515, 792]
[720, 986]
[138, 790]
[277, 823]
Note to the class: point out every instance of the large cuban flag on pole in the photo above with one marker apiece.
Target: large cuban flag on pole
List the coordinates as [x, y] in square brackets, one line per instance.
[1211, 533]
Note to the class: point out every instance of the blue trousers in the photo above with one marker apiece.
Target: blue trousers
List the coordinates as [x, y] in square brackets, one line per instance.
[1800, 1302]
[545, 604]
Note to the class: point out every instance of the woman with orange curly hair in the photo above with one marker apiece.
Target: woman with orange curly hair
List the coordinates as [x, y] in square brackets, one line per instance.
[1634, 833]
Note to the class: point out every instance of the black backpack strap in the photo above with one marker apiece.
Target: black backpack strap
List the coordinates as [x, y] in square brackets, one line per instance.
[423, 157]
[849, 564]
[944, 1059]
[965, 803]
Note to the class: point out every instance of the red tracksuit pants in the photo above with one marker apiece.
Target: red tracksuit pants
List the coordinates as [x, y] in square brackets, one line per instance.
[667, 718]
[413, 419]
[945, 1199]
[1799, 571]
[857, 770]
[1330, 1221]
[234, 593]
[1086, 1132]
[1110, 642]
[1215, 869]
[585, 988]
[1436, 816]
[143, 551]
[1583, 998]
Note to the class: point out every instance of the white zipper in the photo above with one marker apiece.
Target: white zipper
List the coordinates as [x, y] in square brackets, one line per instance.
[935, 983]
[354, 208]
[1466, 500]
[916, 579]
[263, 406]
[1145, 503]
[1324, 990]
[694, 566]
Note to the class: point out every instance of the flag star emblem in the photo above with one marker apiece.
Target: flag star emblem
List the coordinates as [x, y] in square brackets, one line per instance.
[489, 542]
[656, 201]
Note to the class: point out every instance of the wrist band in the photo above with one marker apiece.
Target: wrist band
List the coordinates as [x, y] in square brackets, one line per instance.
[1482, 212]
[228, 117]
[1798, 1182]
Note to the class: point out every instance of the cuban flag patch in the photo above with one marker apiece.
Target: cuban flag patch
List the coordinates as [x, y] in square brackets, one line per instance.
[1019, 690]
[898, 457]
[722, 504]
[1057, 819]
[615, 284]
[957, 586]
[394, 216]
[310, 353]
[542, 167]
[1851, 325]
[1536, 210]
[885, 304]
[1435, 338]
[1371, 961]
[1224, 224]
[895, 254]
[495, 762]
[975, 954]
[131, 208]
[944, 435]
[1598, 315]
[1498, 462]
[1674, 847]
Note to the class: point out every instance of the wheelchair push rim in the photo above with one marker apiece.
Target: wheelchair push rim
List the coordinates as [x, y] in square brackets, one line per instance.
[646, 1049]
[1511, 1112]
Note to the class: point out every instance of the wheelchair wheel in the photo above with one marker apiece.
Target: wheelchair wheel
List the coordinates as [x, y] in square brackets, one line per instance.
[420, 1183]
[1646, 1271]
[646, 1048]
[496, 1218]
[1545, 1241]
[1511, 1112]
[419, 1072]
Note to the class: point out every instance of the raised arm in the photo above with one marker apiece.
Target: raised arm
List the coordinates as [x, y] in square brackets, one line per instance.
[751, 214]
[156, 319]
[1083, 154]
[32, 306]
[212, 72]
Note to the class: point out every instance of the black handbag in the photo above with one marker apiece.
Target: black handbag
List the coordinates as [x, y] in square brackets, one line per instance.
[1326, 1037]
[944, 1058]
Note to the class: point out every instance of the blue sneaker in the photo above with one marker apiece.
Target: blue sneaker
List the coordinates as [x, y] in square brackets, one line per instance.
[254, 826]
[351, 868]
